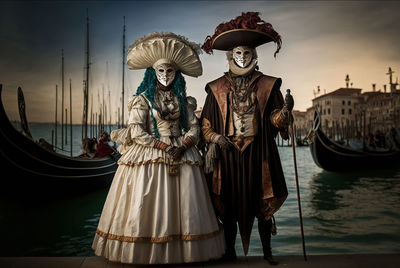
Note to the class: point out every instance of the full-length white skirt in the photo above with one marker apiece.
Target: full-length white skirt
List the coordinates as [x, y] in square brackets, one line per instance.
[151, 217]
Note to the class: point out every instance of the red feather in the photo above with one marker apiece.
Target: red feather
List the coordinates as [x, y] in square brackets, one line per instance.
[248, 20]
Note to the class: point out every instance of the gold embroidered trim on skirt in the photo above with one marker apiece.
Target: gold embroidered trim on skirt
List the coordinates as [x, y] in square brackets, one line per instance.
[162, 239]
[152, 263]
[159, 160]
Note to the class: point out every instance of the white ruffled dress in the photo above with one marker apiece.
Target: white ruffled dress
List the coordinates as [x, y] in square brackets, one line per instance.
[150, 216]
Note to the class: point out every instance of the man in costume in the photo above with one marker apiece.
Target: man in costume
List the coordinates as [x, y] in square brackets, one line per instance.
[243, 112]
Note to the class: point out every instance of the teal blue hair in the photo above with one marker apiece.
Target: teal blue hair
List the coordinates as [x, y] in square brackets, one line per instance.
[149, 87]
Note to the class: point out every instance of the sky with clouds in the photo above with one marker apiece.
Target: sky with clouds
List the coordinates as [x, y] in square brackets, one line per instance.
[322, 42]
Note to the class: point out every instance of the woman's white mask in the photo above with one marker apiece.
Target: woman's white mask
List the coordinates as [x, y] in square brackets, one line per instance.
[165, 74]
[242, 56]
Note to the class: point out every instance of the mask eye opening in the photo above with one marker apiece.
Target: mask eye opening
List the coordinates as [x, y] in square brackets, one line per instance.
[161, 70]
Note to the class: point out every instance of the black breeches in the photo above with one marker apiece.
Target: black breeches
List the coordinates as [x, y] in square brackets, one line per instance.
[264, 230]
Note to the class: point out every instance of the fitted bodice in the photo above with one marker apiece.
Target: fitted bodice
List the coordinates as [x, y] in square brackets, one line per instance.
[166, 112]
[166, 128]
[137, 139]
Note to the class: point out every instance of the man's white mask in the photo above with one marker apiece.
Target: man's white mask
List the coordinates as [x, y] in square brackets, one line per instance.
[242, 56]
[165, 73]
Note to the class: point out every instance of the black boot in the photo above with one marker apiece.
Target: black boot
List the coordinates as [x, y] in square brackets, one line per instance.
[229, 255]
[270, 259]
[230, 231]
[264, 229]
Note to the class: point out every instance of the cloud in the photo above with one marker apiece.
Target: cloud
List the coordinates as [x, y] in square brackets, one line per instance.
[322, 42]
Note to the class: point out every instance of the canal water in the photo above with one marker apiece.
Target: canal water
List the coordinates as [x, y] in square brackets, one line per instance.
[357, 212]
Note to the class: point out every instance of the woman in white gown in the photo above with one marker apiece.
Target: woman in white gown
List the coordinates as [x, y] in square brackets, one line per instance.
[158, 208]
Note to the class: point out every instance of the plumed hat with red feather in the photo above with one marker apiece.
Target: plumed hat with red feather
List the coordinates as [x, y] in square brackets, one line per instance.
[247, 29]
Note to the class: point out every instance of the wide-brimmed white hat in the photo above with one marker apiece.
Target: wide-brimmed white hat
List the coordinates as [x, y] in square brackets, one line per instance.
[156, 48]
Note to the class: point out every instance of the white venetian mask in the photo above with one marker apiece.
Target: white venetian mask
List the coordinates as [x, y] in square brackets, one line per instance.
[165, 73]
[242, 56]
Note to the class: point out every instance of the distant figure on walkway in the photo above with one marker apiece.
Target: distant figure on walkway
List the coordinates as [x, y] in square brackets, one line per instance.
[380, 139]
[393, 139]
[103, 146]
[371, 141]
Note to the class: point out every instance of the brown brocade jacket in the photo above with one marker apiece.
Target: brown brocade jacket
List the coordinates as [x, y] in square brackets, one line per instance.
[217, 120]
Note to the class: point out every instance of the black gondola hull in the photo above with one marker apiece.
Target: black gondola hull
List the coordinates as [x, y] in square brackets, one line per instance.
[331, 156]
[30, 170]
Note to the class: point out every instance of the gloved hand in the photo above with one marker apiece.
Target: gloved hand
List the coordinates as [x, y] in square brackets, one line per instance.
[170, 150]
[224, 143]
[173, 151]
[177, 152]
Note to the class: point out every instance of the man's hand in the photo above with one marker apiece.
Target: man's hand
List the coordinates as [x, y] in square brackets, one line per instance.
[289, 102]
[288, 106]
[224, 143]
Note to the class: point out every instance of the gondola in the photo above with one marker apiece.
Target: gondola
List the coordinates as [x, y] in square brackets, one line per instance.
[332, 156]
[29, 170]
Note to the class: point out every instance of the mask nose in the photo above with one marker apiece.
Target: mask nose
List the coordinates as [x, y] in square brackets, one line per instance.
[240, 60]
[162, 77]
[242, 57]
[165, 74]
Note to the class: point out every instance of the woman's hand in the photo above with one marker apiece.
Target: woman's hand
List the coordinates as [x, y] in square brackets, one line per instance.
[176, 152]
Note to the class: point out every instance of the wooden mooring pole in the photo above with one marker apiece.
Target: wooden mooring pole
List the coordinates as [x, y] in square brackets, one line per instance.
[55, 121]
[297, 181]
[70, 114]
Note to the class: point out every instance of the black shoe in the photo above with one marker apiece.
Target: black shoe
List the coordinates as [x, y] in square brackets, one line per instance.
[270, 259]
[230, 255]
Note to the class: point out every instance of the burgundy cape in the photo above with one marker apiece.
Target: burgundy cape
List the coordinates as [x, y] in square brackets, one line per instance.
[249, 183]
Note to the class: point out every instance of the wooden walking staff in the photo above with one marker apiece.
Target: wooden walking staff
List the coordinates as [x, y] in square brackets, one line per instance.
[288, 96]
